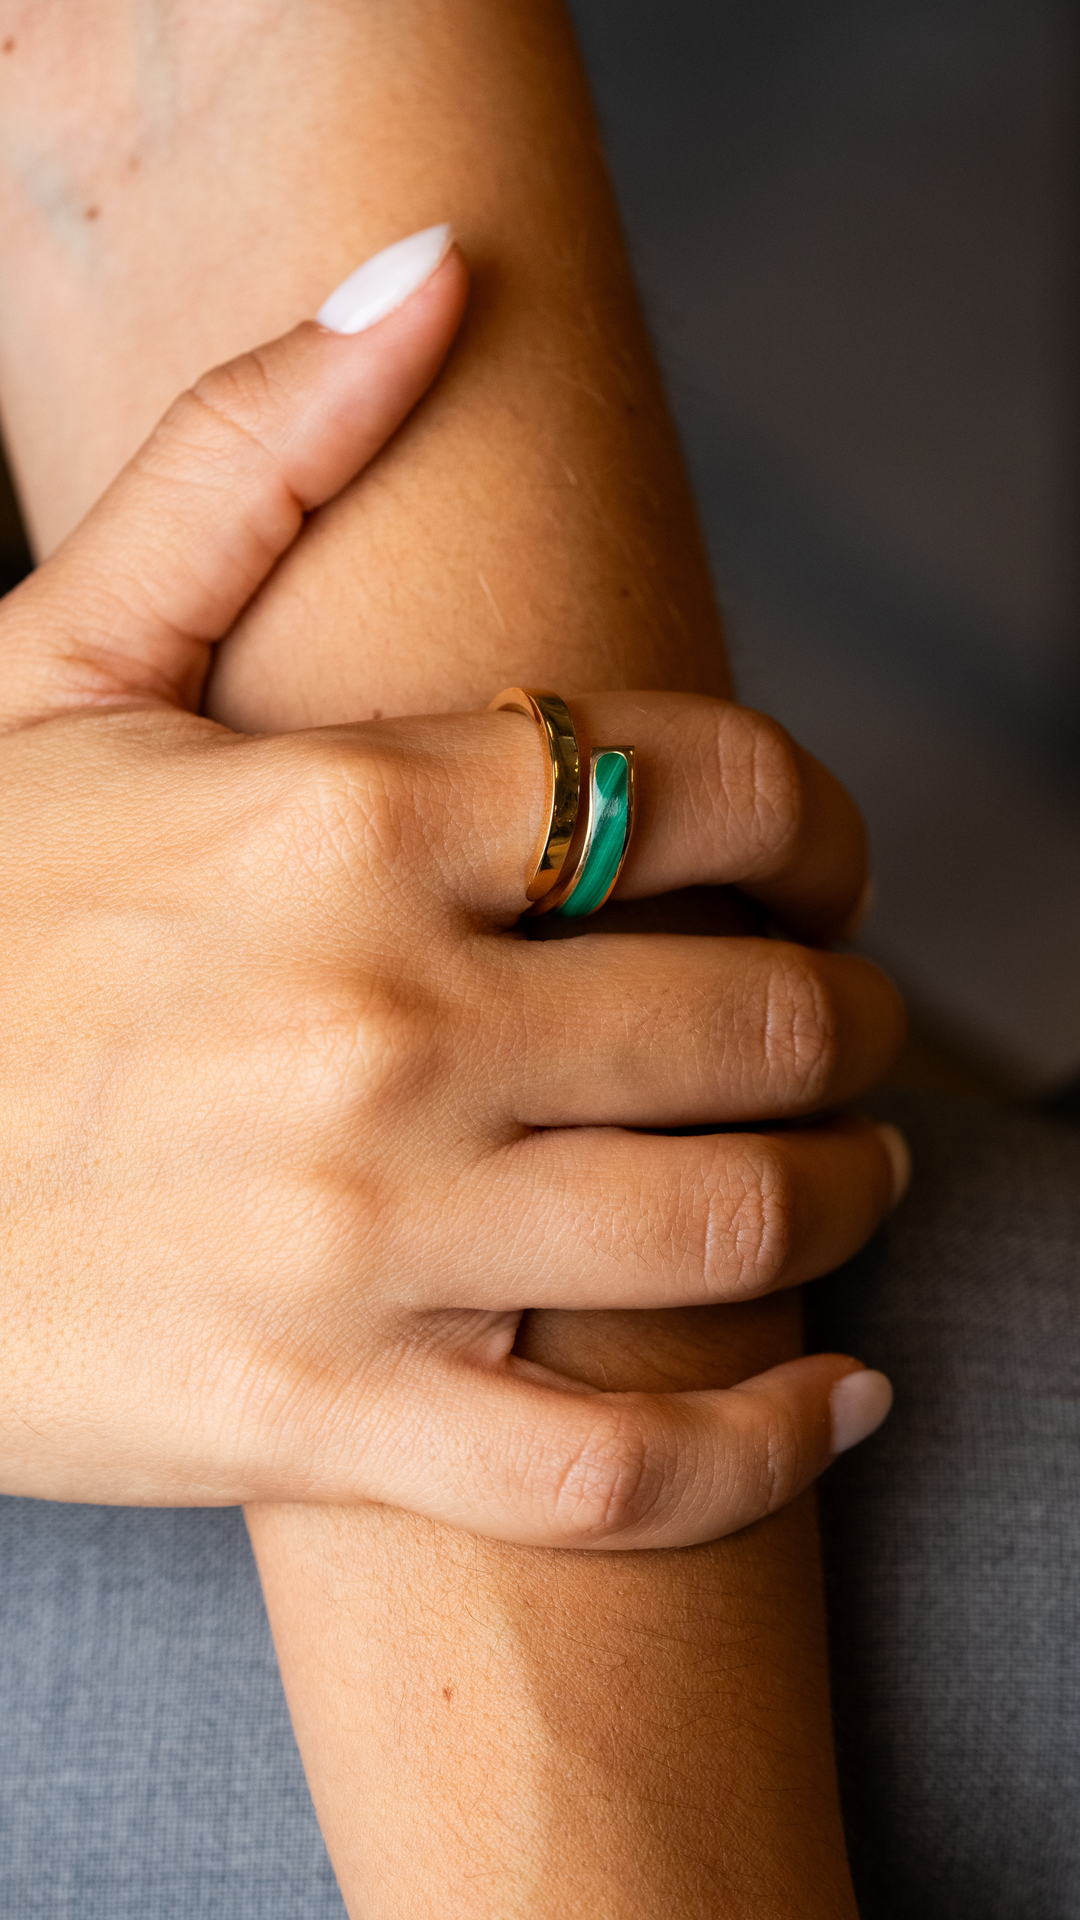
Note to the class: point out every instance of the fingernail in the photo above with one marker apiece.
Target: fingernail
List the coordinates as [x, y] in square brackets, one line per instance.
[385, 281]
[858, 1404]
[858, 913]
[899, 1159]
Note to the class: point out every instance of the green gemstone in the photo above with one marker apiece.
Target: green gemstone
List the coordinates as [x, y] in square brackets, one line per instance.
[609, 779]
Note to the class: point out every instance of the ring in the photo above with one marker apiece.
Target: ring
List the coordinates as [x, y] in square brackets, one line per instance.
[580, 851]
[587, 879]
[562, 770]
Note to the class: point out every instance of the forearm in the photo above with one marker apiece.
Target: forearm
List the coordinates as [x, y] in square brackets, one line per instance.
[235, 168]
[489, 1730]
[619, 1735]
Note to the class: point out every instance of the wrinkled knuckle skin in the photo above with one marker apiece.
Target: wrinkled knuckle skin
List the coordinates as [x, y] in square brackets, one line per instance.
[611, 1484]
[241, 392]
[801, 1036]
[326, 798]
[334, 814]
[202, 443]
[781, 1465]
[770, 795]
[224, 433]
[303, 829]
[360, 1057]
[752, 1225]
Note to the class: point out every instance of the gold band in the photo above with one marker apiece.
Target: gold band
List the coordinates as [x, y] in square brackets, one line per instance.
[600, 845]
[562, 770]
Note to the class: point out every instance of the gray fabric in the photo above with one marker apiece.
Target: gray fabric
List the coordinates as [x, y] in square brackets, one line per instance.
[953, 1537]
[147, 1767]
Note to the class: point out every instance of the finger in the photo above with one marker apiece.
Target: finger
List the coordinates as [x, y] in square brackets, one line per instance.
[507, 1454]
[596, 1217]
[127, 608]
[660, 1031]
[723, 797]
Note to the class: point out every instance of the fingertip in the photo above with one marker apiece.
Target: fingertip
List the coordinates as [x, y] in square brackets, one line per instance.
[899, 1154]
[850, 927]
[858, 1403]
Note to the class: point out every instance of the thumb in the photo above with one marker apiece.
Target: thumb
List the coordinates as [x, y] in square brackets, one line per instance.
[126, 610]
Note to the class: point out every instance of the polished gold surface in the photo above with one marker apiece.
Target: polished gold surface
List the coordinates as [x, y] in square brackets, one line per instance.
[562, 774]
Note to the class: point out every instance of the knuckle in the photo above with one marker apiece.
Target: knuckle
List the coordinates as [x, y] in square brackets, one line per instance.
[245, 403]
[763, 1465]
[350, 1057]
[197, 443]
[762, 784]
[610, 1483]
[240, 391]
[800, 1035]
[780, 1472]
[751, 1224]
[304, 825]
[221, 436]
[350, 1014]
[333, 809]
[288, 1404]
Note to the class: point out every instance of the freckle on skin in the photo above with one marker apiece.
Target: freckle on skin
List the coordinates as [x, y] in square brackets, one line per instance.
[91, 213]
[448, 1693]
[9, 46]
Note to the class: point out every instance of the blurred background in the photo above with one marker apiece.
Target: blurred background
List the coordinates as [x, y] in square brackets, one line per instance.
[853, 223]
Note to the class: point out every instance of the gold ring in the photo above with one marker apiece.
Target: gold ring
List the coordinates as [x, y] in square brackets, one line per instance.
[562, 769]
[600, 847]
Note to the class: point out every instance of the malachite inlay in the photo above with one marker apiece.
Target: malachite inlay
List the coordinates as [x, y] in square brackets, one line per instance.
[609, 833]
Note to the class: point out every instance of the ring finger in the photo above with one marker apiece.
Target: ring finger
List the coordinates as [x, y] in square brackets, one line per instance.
[724, 797]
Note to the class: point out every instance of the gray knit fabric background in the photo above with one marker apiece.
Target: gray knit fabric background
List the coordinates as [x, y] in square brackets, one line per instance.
[148, 1769]
[953, 1537]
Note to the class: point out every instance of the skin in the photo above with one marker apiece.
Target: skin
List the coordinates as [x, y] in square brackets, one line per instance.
[534, 517]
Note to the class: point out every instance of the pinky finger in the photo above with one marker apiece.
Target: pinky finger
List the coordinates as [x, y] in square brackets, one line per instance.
[508, 1455]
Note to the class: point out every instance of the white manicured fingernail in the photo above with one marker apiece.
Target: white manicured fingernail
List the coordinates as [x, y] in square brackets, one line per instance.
[899, 1157]
[385, 281]
[858, 1404]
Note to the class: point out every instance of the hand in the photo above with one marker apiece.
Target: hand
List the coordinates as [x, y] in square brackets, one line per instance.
[294, 1124]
